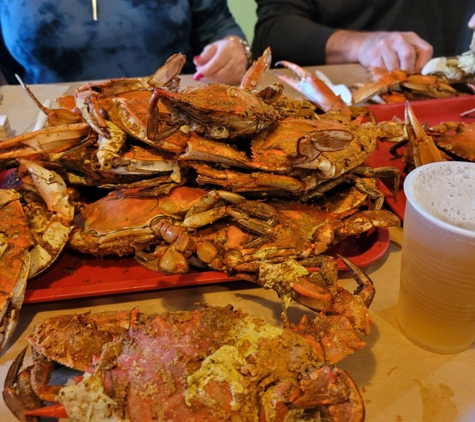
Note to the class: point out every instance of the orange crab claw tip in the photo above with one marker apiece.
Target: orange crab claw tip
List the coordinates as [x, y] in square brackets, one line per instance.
[53, 411]
[411, 119]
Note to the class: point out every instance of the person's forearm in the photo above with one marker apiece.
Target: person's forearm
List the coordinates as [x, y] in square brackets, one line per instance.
[343, 46]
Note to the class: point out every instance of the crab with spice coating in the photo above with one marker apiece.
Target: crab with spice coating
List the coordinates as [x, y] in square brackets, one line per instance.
[399, 86]
[231, 233]
[456, 139]
[296, 231]
[93, 99]
[214, 364]
[36, 215]
[126, 221]
[218, 110]
[297, 157]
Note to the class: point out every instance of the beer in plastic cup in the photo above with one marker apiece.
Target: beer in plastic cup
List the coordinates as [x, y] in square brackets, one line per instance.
[436, 307]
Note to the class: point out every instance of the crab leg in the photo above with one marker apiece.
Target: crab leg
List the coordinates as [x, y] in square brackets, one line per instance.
[53, 190]
[313, 88]
[383, 83]
[17, 394]
[110, 147]
[56, 117]
[253, 77]
[20, 398]
[45, 141]
[53, 411]
[422, 145]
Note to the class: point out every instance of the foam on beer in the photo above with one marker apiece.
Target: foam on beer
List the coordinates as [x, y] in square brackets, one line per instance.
[453, 186]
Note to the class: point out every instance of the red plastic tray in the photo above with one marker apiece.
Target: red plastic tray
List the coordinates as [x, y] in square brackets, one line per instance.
[75, 275]
[431, 112]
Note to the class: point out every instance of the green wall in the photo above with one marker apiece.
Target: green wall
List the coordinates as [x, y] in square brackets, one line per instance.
[244, 11]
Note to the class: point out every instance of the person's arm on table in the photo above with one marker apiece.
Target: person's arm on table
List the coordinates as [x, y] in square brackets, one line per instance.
[389, 50]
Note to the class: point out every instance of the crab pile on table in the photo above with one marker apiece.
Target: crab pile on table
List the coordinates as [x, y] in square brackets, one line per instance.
[238, 179]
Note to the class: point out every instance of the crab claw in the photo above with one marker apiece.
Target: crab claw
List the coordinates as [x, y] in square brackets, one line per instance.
[424, 150]
[383, 81]
[342, 315]
[365, 288]
[45, 141]
[313, 88]
[331, 388]
[166, 75]
[253, 77]
[20, 398]
[17, 392]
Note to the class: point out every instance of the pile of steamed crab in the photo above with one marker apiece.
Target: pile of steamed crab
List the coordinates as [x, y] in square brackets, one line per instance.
[239, 179]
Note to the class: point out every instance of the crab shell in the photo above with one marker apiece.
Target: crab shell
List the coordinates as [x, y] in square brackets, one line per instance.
[298, 231]
[206, 365]
[460, 145]
[15, 242]
[122, 223]
[221, 111]
[297, 143]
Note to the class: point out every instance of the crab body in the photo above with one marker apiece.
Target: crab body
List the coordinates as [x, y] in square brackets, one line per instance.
[221, 111]
[15, 243]
[124, 222]
[297, 231]
[297, 143]
[35, 225]
[459, 144]
[214, 364]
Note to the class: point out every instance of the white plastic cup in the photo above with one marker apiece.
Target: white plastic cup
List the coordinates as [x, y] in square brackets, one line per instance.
[436, 307]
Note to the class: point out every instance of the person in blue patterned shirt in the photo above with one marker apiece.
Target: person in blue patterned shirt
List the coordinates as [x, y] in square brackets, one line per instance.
[51, 41]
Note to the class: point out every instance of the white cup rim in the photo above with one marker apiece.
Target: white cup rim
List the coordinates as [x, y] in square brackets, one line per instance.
[447, 226]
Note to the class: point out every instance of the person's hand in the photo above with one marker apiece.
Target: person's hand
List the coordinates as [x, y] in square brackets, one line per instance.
[388, 50]
[222, 61]
[471, 22]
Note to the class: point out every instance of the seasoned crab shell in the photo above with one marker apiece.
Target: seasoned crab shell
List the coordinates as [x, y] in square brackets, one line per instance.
[220, 111]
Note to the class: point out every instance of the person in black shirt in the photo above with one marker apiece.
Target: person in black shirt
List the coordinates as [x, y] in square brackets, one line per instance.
[391, 34]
